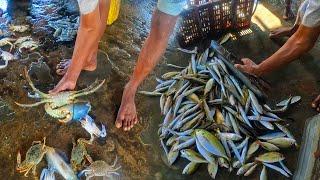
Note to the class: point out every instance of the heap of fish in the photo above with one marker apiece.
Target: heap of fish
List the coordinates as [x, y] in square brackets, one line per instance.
[60, 18]
[214, 116]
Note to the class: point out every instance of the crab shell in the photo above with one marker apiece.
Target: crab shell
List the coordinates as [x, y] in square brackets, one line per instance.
[100, 168]
[75, 111]
[78, 155]
[6, 56]
[33, 157]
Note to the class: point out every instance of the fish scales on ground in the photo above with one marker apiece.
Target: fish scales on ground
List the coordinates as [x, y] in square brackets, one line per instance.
[217, 117]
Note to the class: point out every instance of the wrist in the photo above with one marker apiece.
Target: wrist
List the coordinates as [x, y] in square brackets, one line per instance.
[258, 71]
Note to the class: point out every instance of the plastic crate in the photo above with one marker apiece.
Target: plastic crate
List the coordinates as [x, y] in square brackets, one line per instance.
[244, 10]
[207, 18]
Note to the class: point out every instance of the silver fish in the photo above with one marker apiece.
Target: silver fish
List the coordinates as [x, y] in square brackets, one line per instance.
[263, 174]
[185, 144]
[250, 170]
[277, 169]
[293, 100]
[190, 168]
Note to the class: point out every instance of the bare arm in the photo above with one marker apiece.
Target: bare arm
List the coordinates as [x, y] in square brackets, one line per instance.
[153, 48]
[89, 34]
[300, 42]
[161, 28]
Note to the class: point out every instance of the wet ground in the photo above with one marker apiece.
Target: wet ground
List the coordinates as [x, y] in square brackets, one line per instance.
[138, 150]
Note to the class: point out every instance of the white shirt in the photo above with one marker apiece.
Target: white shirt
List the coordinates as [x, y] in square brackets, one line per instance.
[309, 13]
[87, 6]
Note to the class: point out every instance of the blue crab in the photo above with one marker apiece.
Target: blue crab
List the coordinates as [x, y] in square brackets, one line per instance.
[18, 28]
[57, 163]
[28, 45]
[62, 98]
[65, 114]
[7, 41]
[79, 154]
[88, 124]
[34, 156]
[102, 169]
[6, 57]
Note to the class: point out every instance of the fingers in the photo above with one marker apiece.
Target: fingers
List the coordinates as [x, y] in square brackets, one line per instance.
[240, 67]
[54, 91]
[247, 61]
[316, 102]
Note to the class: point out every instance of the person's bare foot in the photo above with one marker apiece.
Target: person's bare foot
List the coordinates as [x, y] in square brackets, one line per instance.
[288, 14]
[281, 32]
[64, 64]
[127, 114]
[316, 103]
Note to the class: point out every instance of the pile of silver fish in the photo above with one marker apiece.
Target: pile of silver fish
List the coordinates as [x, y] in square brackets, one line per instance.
[59, 18]
[80, 162]
[214, 116]
[65, 107]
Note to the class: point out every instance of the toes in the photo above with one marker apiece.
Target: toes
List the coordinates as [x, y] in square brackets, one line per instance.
[132, 123]
[126, 123]
[119, 121]
[316, 102]
[60, 71]
[135, 121]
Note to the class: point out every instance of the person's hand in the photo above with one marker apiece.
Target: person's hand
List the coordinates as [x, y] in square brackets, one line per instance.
[316, 103]
[248, 66]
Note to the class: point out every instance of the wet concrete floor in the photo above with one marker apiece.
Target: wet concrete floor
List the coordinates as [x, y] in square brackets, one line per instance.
[139, 150]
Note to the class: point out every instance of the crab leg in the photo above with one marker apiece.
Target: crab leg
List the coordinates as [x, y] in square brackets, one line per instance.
[87, 142]
[115, 162]
[116, 169]
[113, 173]
[66, 120]
[91, 139]
[5, 64]
[32, 105]
[91, 86]
[34, 168]
[87, 91]
[88, 157]
[33, 87]
[44, 142]
[11, 46]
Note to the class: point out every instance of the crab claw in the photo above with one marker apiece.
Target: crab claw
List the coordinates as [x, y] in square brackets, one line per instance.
[47, 173]
[103, 131]
[18, 158]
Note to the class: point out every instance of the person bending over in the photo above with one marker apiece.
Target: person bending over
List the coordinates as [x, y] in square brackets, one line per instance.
[303, 36]
[93, 19]
[92, 26]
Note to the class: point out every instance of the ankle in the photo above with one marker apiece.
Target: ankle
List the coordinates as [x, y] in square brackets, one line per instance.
[129, 92]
